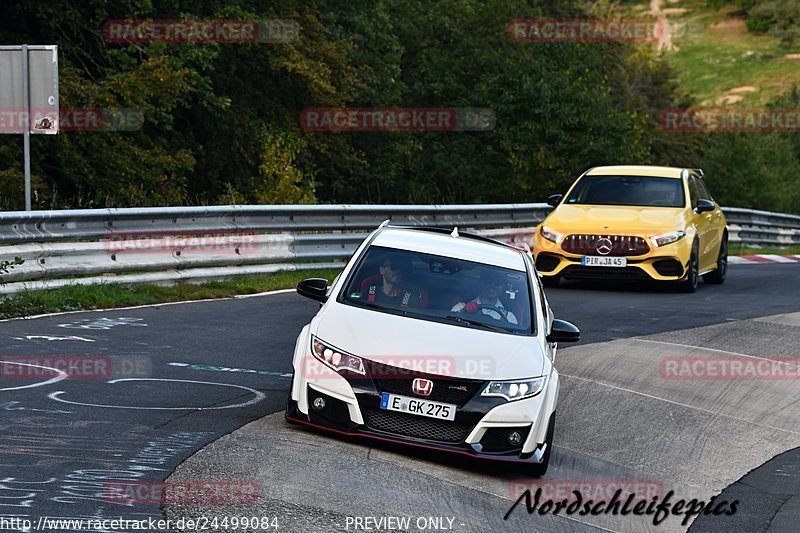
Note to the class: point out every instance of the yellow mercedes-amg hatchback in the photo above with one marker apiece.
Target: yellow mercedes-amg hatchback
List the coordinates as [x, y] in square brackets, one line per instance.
[634, 222]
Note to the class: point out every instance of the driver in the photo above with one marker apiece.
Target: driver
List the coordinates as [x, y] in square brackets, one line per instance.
[488, 302]
[393, 288]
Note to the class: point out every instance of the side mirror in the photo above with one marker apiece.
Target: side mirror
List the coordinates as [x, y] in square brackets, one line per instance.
[554, 200]
[563, 331]
[704, 205]
[314, 288]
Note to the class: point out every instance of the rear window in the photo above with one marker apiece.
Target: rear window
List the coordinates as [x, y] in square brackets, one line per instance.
[441, 289]
[642, 191]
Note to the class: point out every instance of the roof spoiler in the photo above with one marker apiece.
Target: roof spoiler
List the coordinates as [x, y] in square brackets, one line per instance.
[699, 171]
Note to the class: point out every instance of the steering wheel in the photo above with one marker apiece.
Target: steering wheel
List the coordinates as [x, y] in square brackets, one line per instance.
[502, 314]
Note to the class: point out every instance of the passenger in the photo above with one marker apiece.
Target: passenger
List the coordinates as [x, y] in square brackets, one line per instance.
[488, 302]
[394, 287]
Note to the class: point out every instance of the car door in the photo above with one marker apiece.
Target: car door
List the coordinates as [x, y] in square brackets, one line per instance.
[705, 227]
[716, 222]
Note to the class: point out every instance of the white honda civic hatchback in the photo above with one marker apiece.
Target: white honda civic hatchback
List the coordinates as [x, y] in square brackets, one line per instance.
[435, 339]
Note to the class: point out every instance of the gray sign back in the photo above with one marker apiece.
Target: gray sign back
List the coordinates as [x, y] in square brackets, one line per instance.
[42, 88]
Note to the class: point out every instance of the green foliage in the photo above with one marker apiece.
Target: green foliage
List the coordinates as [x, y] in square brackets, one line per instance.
[757, 169]
[780, 18]
[221, 121]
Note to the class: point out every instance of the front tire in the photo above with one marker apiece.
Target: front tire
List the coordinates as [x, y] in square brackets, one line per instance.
[538, 470]
[689, 284]
[718, 276]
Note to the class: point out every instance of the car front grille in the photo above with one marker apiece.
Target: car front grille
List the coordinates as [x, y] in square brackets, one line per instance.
[627, 273]
[618, 245]
[415, 426]
[397, 380]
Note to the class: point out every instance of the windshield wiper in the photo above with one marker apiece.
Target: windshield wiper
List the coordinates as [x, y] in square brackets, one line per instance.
[390, 310]
[471, 322]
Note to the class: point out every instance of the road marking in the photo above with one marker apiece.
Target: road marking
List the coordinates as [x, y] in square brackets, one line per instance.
[53, 338]
[104, 323]
[212, 368]
[16, 406]
[146, 306]
[61, 375]
[258, 396]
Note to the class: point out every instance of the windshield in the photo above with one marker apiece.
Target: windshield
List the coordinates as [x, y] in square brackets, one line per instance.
[628, 190]
[441, 289]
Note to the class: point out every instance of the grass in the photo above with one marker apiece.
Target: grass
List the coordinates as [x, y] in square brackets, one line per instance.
[751, 250]
[105, 296]
[718, 54]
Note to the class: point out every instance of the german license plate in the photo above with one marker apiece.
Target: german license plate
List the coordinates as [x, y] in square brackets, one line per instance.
[416, 406]
[604, 261]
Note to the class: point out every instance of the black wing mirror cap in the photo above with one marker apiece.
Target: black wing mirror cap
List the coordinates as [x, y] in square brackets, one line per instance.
[314, 288]
[563, 331]
[554, 200]
[704, 205]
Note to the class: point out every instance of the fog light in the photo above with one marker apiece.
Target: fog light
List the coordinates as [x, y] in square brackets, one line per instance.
[319, 404]
[514, 438]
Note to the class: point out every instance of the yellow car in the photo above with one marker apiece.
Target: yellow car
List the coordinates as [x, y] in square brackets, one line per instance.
[634, 222]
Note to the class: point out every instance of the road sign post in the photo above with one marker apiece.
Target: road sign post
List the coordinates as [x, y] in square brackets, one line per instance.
[28, 97]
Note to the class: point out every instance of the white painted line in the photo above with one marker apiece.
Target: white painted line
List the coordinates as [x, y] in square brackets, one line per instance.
[258, 396]
[144, 306]
[61, 375]
[736, 260]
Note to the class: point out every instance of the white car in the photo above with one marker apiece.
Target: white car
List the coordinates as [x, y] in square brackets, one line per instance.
[436, 339]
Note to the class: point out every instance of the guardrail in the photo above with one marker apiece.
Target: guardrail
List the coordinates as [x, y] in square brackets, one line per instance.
[165, 245]
[762, 228]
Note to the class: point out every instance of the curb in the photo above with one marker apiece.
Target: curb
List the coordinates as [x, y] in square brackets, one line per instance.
[762, 258]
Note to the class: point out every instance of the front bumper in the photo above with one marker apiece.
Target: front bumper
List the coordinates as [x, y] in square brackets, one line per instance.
[480, 428]
[665, 263]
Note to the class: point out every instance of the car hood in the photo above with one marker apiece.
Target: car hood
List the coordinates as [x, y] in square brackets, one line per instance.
[620, 220]
[428, 347]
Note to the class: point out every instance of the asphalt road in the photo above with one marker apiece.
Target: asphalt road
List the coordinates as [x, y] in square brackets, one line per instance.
[157, 384]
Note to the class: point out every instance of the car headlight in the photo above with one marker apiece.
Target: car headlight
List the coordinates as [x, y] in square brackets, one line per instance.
[336, 359]
[515, 390]
[551, 234]
[667, 238]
